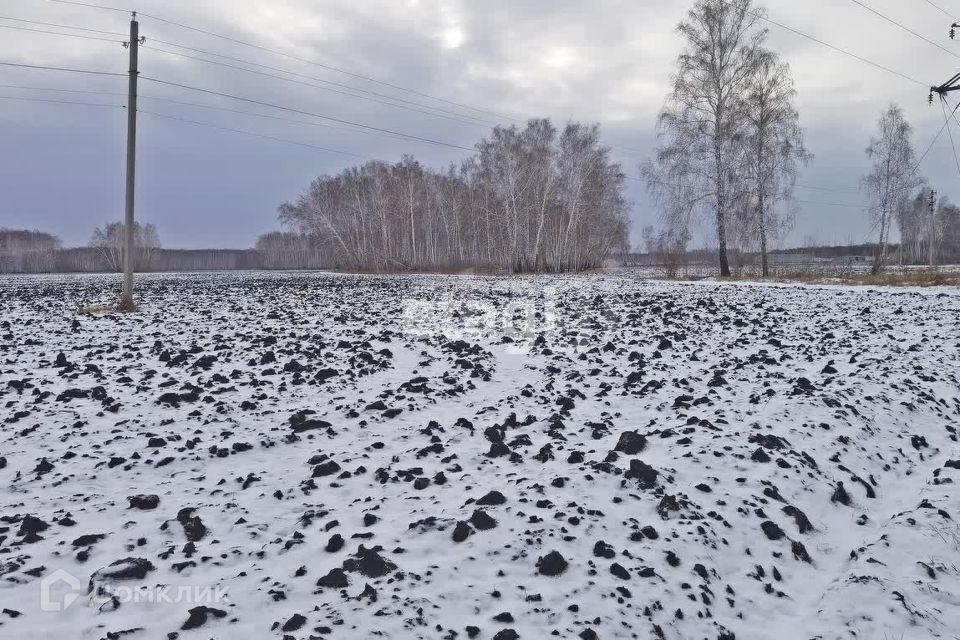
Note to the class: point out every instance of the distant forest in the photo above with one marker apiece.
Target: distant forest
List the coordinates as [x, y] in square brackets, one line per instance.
[39, 252]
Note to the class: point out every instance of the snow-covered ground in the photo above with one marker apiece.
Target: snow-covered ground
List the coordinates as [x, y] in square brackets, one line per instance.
[320, 456]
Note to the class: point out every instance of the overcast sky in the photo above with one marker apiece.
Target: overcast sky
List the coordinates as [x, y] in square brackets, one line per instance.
[606, 61]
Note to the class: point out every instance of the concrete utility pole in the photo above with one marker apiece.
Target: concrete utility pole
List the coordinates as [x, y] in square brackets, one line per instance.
[933, 212]
[129, 248]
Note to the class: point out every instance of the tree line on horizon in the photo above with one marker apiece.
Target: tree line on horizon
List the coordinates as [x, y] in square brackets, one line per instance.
[33, 251]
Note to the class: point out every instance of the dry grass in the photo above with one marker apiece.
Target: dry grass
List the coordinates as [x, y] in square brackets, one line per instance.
[103, 309]
[911, 278]
[95, 309]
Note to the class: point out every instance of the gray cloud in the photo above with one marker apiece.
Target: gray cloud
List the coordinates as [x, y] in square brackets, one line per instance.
[607, 61]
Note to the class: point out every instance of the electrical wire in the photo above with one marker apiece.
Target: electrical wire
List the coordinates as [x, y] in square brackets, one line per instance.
[64, 69]
[316, 86]
[950, 132]
[313, 78]
[57, 33]
[306, 113]
[90, 91]
[398, 87]
[240, 98]
[250, 133]
[83, 104]
[933, 142]
[835, 189]
[845, 205]
[845, 52]
[940, 9]
[321, 65]
[62, 26]
[292, 57]
[312, 123]
[91, 5]
[145, 96]
[905, 28]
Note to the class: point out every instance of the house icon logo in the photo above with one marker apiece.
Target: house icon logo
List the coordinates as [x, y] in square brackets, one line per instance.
[59, 590]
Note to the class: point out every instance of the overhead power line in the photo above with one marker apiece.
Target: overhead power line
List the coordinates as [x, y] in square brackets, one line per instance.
[250, 133]
[799, 184]
[328, 67]
[933, 142]
[83, 104]
[454, 117]
[64, 69]
[953, 146]
[62, 26]
[337, 70]
[833, 189]
[306, 113]
[317, 64]
[413, 91]
[91, 5]
[450, 102]
[309, 123]
[321, 65]
[905, 28]
[89, 91]
[846, 205]
[940, 9]
[58, 33]
[313, 78]
[845, 52]
[145, 96]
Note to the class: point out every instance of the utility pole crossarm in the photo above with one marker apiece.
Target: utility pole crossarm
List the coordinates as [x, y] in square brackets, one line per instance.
[953, 84]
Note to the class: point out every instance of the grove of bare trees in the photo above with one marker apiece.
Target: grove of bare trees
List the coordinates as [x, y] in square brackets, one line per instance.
[892, 178]
[23, 251]
[530, 199]
[109, 240]
[731, 146]
[730, 139]
[929, 229]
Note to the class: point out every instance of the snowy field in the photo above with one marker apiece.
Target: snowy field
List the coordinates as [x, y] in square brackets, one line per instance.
[319, 456]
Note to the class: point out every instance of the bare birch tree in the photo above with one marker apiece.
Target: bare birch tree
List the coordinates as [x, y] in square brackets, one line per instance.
[774, 150]
[701, 129]
[892, 178]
